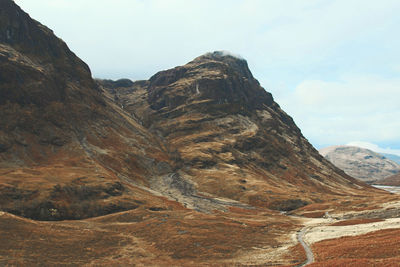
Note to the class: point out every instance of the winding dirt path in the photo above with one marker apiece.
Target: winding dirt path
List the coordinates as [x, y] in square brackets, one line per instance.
[301, 236]
[320, 229]
[307, 249]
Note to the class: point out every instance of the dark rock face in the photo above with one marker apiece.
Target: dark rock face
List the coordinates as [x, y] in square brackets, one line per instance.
[223, 88]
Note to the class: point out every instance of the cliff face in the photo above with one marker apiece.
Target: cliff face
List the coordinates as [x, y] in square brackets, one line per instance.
[361, 163]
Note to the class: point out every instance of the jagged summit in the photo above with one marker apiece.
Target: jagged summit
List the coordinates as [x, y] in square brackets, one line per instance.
[232, 60]
[224, 82]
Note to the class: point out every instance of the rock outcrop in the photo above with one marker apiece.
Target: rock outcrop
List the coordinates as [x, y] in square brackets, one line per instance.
[361, 163]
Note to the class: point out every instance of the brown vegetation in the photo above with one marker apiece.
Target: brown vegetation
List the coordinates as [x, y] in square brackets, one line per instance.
[145, 237]
[355, 222]
[316, 214]
[380, 248]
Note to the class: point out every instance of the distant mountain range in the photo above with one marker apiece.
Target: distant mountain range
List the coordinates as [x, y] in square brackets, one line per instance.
[361, 163]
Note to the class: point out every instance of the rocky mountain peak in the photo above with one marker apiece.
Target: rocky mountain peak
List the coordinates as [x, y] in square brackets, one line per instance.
[219, 79]
[235, 62]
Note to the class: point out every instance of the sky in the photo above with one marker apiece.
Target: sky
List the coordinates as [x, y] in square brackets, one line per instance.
[333, 65]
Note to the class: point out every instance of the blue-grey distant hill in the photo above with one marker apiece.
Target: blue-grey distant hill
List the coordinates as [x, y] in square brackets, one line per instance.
[395, 158]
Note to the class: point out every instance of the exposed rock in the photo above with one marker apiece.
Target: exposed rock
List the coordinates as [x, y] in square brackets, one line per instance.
[361, 163]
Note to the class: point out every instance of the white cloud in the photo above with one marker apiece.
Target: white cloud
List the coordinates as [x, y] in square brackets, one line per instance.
[396, 68]
[228, 53]
[375, 147]
[355, 108]
[353, 94]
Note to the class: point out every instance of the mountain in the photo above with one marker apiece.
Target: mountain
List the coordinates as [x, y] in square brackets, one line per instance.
[361, 163]
[230, 138]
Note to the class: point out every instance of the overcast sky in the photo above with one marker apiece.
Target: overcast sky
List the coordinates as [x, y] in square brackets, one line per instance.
[333, 65]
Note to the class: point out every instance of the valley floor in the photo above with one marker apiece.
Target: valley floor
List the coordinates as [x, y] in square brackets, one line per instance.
[177, 236]
[371, 239]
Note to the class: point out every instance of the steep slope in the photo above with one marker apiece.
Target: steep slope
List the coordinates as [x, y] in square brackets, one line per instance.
[228, 136]
[64, 147]
[361, 163]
